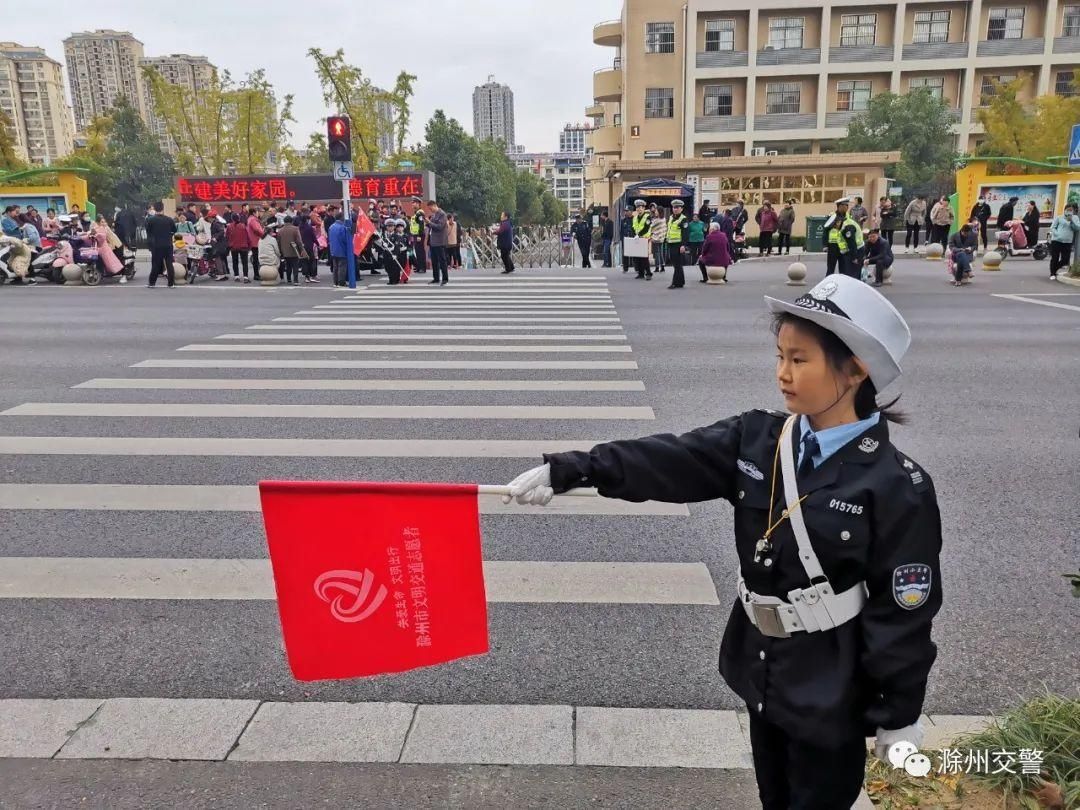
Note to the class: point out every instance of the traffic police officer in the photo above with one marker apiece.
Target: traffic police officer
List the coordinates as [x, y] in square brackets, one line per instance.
[641, 224]
[834, 225]
[582, 232]
[678, 237]
[416, 235]
[837, 534]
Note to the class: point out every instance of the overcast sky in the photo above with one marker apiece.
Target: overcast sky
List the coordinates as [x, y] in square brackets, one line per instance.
[542, 48]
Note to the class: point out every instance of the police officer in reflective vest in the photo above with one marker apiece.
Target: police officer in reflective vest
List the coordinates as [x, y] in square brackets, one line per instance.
[678, 237]
[641, 223]
[843, 235]
[416, 235]
[837, 535]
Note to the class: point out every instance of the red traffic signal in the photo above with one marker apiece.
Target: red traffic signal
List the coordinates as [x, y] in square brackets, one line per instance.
[339, 138]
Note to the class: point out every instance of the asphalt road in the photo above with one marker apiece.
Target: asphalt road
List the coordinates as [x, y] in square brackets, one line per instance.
[991, 387]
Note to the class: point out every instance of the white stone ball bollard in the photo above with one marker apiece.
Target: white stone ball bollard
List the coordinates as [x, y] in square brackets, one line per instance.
[72, 274]
[991, 260]
[179, 272]
[796, 274]
[887, 275]
[934, 251]
[268, 276]
[717, 275]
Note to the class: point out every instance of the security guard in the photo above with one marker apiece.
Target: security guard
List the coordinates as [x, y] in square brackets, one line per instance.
[837, 534]
[678, 237]
[582, 232]
[641, 224]
[416, 235]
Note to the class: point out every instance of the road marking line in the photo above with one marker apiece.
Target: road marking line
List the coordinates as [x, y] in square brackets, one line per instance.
[285, 448]
[232, 384]
[419, 336]
[431, 327]
[546, 365]
[464, 310]
[152, 410]
[1026, 300]
[224, 498]
[322, 318]
[195, 579]
[377, 348]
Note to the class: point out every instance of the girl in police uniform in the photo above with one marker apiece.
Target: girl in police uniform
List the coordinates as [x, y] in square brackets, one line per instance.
[837, 535]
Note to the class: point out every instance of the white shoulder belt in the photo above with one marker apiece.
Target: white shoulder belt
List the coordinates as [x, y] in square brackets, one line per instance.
[810, 609]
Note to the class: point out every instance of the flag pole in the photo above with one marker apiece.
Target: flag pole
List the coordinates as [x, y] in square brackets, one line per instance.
[503, 489]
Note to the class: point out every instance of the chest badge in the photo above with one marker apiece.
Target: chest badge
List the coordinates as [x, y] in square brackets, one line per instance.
[869, 445]
[911, 585]
[750, 469]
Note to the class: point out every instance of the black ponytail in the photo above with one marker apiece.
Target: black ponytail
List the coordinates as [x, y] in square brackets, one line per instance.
[838, 355]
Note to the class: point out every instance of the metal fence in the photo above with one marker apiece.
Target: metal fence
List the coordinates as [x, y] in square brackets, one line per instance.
[534, 246]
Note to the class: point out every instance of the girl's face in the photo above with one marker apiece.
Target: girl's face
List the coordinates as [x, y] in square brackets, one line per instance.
[810, 385]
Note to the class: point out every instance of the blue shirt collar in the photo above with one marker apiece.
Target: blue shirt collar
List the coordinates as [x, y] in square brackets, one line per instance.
[832, 439]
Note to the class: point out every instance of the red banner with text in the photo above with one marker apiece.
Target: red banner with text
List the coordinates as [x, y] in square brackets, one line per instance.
[301, 188]
[373, 578]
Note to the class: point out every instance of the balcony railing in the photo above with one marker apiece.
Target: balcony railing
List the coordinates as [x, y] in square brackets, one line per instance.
[788, 56]
[1066, 44]
[715, 59]
[720, 123]
[861, 53]
[936, 50]
[840, 119]
[1010, 47]
[776, 121]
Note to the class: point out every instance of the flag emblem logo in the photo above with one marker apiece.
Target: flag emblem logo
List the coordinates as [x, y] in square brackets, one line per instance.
[348, 592]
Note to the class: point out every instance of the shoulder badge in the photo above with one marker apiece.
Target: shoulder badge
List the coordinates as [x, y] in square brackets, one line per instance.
[750, 469]
[911, 585]
[771, 412]
[919, 479]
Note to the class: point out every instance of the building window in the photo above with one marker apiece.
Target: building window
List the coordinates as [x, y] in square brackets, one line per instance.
[783, 97]
[853, 96]
[931, 26]
[718, 99]
[721, 151]
[1063, 84]
[616, 120]
[1006, 23]
[657, 154]
[660, 37]
[858, 29]
[990, 84]
[1071, 22]
[935, 84]
[786, 32]
[719, 35]
[659, 102]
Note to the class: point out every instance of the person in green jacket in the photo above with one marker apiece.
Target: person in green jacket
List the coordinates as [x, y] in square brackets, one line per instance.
[696, 239]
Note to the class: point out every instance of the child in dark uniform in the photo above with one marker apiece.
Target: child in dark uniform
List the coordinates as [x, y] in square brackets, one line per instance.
[837, 533]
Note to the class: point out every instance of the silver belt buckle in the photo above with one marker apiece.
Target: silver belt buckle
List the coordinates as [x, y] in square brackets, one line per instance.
[767, 620]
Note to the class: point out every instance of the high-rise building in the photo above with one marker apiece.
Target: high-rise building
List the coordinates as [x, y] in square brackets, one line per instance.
[572, 137]
[103, 65]
[386, 115]
[193, 73]
[32, 96]
[746, 77]
[493, 112]
[564, 173]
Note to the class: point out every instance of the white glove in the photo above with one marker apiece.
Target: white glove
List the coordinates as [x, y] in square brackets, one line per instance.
[532, 488]
[886, 738]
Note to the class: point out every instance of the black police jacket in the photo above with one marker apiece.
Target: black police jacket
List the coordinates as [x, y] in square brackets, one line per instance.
[872, 517]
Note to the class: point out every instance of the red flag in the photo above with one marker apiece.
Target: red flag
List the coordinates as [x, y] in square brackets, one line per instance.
[375, 577]
[365, 229]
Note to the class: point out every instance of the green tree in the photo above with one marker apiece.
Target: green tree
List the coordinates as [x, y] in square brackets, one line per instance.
[918, 125]
[9, 161]
[1034, 131]
[135, 170]
[476, 180]
[347, 90]
[555, 210]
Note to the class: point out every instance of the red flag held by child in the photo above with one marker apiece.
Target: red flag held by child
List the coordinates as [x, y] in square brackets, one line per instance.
[375, 577]
[365, 230]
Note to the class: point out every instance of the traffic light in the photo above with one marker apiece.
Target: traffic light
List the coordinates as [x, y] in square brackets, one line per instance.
[339, 138]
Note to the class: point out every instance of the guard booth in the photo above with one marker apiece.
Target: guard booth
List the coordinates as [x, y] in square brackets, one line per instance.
[660, 191]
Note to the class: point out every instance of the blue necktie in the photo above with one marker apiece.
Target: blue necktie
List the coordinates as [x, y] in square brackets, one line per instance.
[811, 448]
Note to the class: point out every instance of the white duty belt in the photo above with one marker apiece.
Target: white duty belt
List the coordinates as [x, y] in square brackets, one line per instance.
[811, 609]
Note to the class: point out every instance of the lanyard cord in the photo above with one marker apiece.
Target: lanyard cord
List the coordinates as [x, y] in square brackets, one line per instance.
[772, 492]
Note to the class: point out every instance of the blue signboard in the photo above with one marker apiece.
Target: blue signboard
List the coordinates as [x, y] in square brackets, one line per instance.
[1074, 146]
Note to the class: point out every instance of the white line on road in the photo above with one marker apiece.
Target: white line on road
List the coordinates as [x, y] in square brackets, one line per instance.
[151, 410]
[431, 327]
[195, 579]
[223, 498]
[1026, 300]
[379, 300]
[399, 336]
[376, 348]
[233, 384]
[284, 448]
[410, 309]
[322, 318]
[546, 365]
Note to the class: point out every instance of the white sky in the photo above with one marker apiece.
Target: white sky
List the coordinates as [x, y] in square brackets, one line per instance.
[542, 48]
